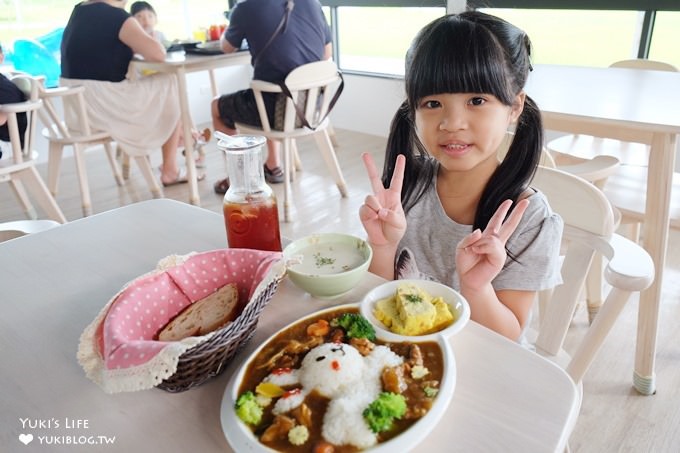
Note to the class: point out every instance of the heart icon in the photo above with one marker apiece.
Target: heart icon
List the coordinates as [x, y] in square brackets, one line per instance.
[26, 438]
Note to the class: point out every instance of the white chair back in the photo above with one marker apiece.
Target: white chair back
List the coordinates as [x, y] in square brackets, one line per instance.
[588, 230]
[312, 87]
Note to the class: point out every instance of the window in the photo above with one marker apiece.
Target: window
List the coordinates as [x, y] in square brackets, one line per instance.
[665, 38]
[561, 36]
[381, 47]
[577, 37]
[176, 18]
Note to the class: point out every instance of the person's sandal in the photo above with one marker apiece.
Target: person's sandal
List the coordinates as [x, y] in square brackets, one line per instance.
[182, 178]
[221, 186]
[273, 176]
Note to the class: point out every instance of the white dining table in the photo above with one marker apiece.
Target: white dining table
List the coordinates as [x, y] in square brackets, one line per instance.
[181, 64]
[634, 105]
[54, 283]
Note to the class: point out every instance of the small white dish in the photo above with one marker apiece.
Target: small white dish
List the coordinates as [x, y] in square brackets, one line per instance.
[459, 307]
[327, 265]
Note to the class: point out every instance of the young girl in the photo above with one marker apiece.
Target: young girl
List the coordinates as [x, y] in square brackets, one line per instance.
[146, 16]
[446, 209]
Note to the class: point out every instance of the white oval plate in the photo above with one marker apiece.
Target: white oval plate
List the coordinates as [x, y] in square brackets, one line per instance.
[241, 438]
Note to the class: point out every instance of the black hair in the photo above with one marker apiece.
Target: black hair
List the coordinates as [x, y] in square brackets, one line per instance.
[138, 7]
[470, 52]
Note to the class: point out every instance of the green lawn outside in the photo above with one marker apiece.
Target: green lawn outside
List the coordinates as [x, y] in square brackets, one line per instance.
[593, 38]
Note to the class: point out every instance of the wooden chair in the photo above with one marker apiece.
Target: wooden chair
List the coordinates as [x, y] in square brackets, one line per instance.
[588, 230]
[596, 171]
[19, 168]
[627, 187]
[75, 131]
[318, 80]
[18, 228]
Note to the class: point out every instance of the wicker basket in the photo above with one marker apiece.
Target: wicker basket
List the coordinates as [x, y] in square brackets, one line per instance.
[211, 358]
[159, 295]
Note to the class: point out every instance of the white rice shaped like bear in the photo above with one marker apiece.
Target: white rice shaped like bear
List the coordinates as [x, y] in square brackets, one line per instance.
[351, 382]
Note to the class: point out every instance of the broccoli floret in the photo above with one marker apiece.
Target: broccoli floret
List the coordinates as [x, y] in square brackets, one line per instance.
[355, 325]
[247, 408]
[381, 412]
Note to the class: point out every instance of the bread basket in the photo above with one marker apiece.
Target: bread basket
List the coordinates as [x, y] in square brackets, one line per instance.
[178, 365]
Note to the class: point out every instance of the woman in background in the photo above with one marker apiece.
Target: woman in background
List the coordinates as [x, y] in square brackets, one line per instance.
[98, 45]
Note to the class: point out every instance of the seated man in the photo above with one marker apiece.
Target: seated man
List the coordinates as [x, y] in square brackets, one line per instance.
[304, 37]
[10, 94]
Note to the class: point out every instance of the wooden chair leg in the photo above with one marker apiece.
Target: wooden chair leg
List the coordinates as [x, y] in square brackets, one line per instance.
[287, 170]
[293, 160]
[38, 188]
[56, 152]
[331, 134]
[111, 155]
[22, 196]
[594, 287]
[79, 156]
[145, 167]
[126, 165]
[296, 158]
[596, 334]
[323, 141]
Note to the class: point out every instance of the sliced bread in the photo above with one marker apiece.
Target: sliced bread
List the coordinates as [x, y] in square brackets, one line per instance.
[203, 316]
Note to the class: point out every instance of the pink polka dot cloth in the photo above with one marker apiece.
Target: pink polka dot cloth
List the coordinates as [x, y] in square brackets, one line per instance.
[119, 349]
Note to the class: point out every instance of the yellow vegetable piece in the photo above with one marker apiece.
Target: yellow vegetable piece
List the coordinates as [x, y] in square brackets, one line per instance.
[269, 390]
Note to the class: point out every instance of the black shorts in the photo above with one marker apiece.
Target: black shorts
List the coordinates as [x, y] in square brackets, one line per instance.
[240, 107]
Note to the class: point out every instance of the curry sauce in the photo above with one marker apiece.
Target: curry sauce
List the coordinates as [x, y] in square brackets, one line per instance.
[287, 350]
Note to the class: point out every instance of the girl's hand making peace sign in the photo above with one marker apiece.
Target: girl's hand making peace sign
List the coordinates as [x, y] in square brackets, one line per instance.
[480, 256]
[382, 214]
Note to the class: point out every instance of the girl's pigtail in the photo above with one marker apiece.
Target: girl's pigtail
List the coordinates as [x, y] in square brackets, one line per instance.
[419, 170]
[514, 174]
[398, 142]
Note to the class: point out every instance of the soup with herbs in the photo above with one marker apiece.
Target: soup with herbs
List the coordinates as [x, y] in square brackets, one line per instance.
[321, 259]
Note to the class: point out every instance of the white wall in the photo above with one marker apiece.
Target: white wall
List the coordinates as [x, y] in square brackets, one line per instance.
[367, 104]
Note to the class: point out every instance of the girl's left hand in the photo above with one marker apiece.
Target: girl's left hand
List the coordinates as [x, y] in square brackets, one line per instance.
[480, 256]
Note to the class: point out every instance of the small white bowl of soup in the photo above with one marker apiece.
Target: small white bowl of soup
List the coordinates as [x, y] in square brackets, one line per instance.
[419, 310]
[327, 265]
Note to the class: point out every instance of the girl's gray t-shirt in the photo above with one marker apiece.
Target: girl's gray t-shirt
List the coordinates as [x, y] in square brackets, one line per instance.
[428, 248]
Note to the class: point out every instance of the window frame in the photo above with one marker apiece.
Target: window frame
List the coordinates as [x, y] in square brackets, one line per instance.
[648, 7]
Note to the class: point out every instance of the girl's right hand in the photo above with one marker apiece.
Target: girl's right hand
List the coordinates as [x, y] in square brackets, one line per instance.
[382, 214]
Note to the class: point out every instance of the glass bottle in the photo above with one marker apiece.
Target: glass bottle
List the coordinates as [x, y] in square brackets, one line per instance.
[251, 216]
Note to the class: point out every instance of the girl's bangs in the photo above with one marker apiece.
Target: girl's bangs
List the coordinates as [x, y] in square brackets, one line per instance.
[457, 57]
